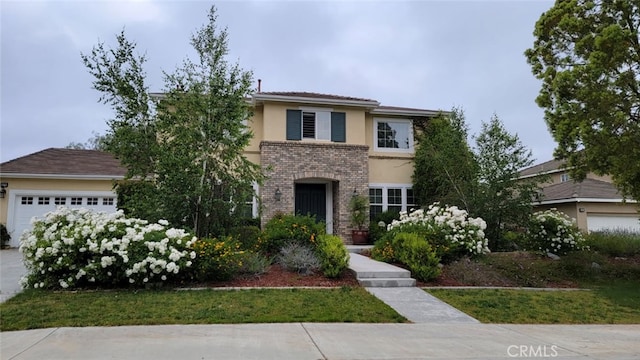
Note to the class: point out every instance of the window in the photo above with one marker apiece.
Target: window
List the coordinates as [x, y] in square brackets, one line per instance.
[107, 201]
[59, 200]
[393, 134]
[92, 201]
[375, 202]
[43, 200]
[316, 125]
[565, 177]
[76, 201]
[26, 200]
[394, 200]
[390, 197]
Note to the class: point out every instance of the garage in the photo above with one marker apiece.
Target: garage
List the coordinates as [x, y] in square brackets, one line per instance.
[27, 205]
[601, 222]
[38, 183]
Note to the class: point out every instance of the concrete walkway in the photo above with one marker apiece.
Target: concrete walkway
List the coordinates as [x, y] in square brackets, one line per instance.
[409, 301]
[11, 271]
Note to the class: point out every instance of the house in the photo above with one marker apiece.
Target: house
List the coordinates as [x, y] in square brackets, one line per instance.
[595, 203]
[317, 151]
[35, 184]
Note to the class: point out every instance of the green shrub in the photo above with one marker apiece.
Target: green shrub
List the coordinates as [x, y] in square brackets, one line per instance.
[416, 253]
[450, 231]
[383, 249]
[5, 237]
[254, 263]
[282, 229]
[554, 232]
[217, 259]
[298, 258]
[333, 255]
[247, 236]
[376, 232]
[615, 243]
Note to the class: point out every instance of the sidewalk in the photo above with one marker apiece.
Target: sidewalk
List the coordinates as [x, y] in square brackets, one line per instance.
[299, 341]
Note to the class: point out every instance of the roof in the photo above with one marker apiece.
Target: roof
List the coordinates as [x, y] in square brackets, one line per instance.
[545, 167]
[304, 94]
[586, 189]
[59, 162]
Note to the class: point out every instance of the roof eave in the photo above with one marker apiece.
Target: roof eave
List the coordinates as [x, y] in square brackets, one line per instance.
[60, 176]
[406, 112]
[311, 100]
[579, 200]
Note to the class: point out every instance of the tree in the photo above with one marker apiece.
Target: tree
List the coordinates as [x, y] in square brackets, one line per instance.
[97, 142]
[587, 54]
[189, 142]
[502, 199]
[445, 167]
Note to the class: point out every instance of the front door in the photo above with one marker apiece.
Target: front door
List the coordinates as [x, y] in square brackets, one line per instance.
[311, 199]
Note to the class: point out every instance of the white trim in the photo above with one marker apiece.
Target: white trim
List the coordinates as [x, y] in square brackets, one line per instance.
[60, 176]
[314, 109]
[406, 112]
[410, 150]
[385, 194]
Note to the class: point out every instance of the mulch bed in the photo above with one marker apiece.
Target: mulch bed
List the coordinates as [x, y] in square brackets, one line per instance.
[276, 276]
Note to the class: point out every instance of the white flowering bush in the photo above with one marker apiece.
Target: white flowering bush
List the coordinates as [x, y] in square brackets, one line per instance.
[449, 230]
[72, 248]
[554, 232]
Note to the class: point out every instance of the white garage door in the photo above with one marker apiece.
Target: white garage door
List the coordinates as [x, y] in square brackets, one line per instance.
[611, 222]
[27, 206]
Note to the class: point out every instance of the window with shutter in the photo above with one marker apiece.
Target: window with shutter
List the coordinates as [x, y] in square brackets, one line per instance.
[316, 125]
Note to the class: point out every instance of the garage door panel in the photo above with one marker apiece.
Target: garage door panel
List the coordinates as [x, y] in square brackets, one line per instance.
[613, 222]
[29, 206]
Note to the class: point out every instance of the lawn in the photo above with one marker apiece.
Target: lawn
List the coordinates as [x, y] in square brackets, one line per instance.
[617, 303]
[34, 309]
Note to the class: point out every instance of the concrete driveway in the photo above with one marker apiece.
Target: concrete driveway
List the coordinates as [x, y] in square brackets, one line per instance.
[11, 271]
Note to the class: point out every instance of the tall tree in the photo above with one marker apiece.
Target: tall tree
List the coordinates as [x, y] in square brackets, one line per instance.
[205, 111]
[186, 144]
[445, 167]
[97, 142]
[502, 199]
[587, 54]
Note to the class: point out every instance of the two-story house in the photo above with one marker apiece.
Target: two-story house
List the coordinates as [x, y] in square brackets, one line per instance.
[317, 151]
[595, 203]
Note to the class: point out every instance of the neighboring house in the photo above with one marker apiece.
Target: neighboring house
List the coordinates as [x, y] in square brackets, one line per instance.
[316, 150]
[595, 203]
[37, 183]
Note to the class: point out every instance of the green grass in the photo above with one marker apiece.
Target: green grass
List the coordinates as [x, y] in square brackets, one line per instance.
[612, 304]
[34, 309]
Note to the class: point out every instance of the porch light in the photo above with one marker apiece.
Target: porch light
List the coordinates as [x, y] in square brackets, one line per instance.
[278, 194]
[355, 193]
[3, 192]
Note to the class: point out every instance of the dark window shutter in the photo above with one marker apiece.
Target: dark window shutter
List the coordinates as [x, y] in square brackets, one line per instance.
[294, 124]
[338, 128]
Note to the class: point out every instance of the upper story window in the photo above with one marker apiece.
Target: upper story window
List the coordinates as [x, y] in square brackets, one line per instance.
[565, 177]
[393, 135]
[310, 124]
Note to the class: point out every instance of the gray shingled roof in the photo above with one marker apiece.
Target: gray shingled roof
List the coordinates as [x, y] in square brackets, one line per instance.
[314, 95]
[544, 167]
[588, 188]
[54, 161]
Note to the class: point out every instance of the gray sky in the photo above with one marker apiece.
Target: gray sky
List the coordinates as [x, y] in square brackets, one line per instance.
[423, 54]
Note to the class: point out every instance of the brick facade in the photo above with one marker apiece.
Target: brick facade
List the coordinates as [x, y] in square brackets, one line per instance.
[287, 162]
